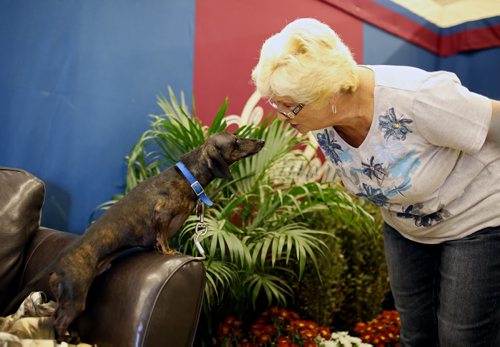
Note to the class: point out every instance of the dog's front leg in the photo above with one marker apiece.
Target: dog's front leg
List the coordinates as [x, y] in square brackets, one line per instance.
[162, 244]
[166, 225]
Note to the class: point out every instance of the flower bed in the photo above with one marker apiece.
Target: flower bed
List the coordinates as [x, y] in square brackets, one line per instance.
[284, 328]
[382, 331]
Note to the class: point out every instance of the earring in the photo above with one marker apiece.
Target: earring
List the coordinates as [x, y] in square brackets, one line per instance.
[334, 108]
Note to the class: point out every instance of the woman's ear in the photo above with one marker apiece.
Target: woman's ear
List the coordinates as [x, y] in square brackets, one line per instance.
[334, 99]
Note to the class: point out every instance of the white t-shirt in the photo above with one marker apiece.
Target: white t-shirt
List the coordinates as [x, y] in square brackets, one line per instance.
[424, 161]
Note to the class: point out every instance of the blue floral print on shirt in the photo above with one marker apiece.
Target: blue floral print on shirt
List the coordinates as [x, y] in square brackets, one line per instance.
[401, 165]
[412, 211]
[392, 126]
[386, 173]
[375, 195]
[330, 146]
[373, 169]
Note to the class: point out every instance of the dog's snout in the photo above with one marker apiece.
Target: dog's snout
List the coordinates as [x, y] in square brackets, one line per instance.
[259, 144]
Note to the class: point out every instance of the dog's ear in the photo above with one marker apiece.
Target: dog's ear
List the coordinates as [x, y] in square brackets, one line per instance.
[217, 164]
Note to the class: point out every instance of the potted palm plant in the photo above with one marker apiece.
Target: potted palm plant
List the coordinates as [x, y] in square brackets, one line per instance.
[258, 239]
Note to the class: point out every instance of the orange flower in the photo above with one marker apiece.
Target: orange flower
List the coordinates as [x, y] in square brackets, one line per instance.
[301, 324]
[294, 316]
[284, 341]
[382, 330]
[257, 329]
[311, 325]
[270, 329]
[283, 313]
[274, 311]
[224, 330]
[308, 333]
[324, 333]
[264, 338]
[229, 320]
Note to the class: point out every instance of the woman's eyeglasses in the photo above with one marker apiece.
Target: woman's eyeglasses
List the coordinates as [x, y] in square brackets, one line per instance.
[290, 114]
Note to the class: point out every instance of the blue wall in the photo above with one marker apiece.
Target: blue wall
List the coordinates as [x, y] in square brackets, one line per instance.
[78, 80]
[478, 70]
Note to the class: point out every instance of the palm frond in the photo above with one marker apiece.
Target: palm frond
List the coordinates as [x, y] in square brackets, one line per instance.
[219, 123]
[220, 276]
[291, 240]
[275, 289]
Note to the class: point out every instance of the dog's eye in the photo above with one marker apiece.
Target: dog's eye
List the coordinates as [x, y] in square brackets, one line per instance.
[237, 139]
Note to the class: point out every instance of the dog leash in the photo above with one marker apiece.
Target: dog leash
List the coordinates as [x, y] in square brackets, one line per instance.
[201, 228]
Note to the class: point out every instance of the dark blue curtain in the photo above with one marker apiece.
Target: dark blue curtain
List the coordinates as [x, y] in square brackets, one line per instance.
[78, 79]
[478, 70]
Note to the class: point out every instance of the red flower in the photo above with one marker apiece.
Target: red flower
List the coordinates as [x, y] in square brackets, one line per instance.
[311, 325]
[284, 341]
[256, 330]
[270, 329]
[294, 316]
[300, 323]
[381, 330]
[224, 330]
[283, 328]
[308, 333]
[324, 333]
[264, 338]
[274, 311]
[229, 320]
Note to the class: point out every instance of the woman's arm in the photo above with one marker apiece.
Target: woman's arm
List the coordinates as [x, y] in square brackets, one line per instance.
[494, 131]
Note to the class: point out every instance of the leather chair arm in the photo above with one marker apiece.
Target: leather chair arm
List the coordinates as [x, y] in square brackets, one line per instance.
[144, 299]
[45, 244]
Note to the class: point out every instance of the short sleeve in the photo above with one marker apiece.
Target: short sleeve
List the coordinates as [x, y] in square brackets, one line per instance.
[447, 114]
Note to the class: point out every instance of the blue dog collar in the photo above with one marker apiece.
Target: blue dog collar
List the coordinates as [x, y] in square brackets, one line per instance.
[195, 185]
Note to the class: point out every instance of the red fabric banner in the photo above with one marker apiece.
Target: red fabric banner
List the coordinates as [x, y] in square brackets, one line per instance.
[228, 37]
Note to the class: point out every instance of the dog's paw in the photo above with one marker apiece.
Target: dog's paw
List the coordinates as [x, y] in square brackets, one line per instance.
[171, 251]
[162, 247]
[71, 338]
[167, 251]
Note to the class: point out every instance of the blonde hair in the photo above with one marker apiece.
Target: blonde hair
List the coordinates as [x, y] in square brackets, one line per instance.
[306, 61]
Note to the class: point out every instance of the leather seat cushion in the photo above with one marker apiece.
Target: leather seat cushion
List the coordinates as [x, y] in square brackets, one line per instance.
[21, 201]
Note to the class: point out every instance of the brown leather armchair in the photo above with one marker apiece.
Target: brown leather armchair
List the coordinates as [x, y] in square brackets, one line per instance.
[145, 299]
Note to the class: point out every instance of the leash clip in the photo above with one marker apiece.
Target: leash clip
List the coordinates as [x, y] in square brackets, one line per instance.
[201, 228]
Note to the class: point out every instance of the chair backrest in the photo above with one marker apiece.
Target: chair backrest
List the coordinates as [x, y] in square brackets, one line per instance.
[21, 201]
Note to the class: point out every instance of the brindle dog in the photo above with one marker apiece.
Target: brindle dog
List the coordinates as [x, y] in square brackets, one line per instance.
[149, 214]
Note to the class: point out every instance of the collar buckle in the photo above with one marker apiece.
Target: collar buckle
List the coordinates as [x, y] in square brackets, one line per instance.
[195, 185]
[197, 188]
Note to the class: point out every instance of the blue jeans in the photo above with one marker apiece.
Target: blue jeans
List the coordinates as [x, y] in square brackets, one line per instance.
[447, 294]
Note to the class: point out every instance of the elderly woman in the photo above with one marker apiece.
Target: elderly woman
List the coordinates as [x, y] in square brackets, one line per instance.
[425, 150]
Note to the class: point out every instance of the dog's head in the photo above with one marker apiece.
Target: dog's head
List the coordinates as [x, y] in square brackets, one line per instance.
[225, 148]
